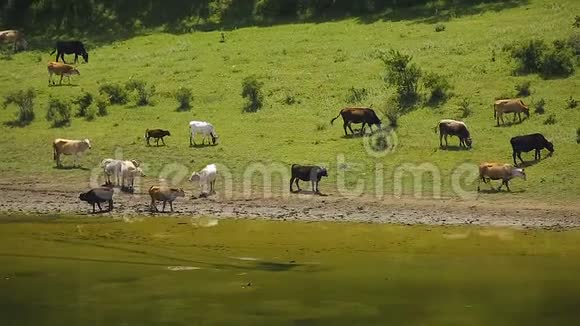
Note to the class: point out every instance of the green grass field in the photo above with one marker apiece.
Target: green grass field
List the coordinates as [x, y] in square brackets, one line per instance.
[317, 63]
[57, 270]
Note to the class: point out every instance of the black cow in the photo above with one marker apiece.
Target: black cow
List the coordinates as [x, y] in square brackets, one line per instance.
[530, 142]
[310, 173]
[157, 134]
[98, 196]
[358, 115]
[70, 47]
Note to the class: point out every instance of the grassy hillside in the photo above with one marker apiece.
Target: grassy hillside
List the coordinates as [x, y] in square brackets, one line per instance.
[316, 64]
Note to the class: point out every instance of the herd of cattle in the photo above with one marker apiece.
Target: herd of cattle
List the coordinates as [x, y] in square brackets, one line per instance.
[123, 172]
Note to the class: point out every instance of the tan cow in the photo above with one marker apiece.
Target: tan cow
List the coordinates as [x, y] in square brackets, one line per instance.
[60, 69]
[515, 106]
[499, 171]
[165, 194]
[69, 147]
[15, 37]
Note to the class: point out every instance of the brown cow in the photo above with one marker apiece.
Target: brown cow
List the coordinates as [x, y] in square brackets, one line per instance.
[358, 115]
[515, 106]
[15, 37]
[61, 69]
[448, 127]
[165, 194]
[497, 171]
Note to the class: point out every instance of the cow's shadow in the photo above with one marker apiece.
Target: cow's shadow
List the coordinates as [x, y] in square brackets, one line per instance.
[510, 123]
[71, 167]
[526, 164]
[63, 85]
[308, 192]
[453, 148]
[202, 145]
[495, 191]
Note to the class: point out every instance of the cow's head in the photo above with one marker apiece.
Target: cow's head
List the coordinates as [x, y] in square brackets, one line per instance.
[517, 172]
[88, 142]
[550, 146]
[468, 142]
[526, 111]
[195, 177]
[74, 71]
[214, 138]
[178, 192]
[84, 196]
[323, 172]
[166, 133]
[86, 57]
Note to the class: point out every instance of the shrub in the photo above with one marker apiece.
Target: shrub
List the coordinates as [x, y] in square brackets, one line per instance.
[571, 103]
[392, 111]
[558, 62]
[439, 87]
[102, 103]
[574, 43]
[439, 27]
[115, 93]
[356, 95]
[291, 99]
[465, 108]
[523, 89]
[379, 142]
[578, 136]
[550, 120]
[252, 92]
[321, 126]
[144, 92]
[529, 55]
[84, 102]
[183, 96]
[91, 113]
[403, 75]
[59, 112]
[539, 106]
[24, 100]
[577, 21]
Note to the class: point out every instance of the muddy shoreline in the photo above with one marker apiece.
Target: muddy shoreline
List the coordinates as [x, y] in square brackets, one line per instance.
[38, 200]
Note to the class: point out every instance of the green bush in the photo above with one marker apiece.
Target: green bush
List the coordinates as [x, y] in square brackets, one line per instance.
[529, 55]
[183, 96]
[101, 104]
[357, 95]
[290, 99]
[144, 92]
[465, 108]
[571, 103]
[536, 57]
[523, 89]
[402, 74]
[558, 62]
[252, 92]
[577, 21]
[392, 111]
[59, 112]
[578, 136]
[24, 100]
[439, 87]
[539, 106]
[84, 102]
[115, 93]
[439, 27]
[550, 120]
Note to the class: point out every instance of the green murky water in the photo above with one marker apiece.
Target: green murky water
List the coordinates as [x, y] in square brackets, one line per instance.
[168, 271]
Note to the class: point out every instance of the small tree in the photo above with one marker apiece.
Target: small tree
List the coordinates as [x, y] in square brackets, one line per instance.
[59, 112]
[144, 92]
[392, 110]
[523, 89]
[84, 102]
[252, 92]
[438, 85]
[24, 100]
[465, 108]
[183, 96]
[403, 75]
[539, 107]
[115, 93]
[102, 103]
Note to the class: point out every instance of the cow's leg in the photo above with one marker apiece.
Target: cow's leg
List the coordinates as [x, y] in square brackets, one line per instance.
[506, 182]
[350, 128]
[76, 58]
[446, 144]
[171, 205]
[441, 140]
[344, 126]
[153, 206]
[147, 138]
[362, 129]
[313, 184]
[514, 156]
[110, 205]
[100, 208]
[157, 142]
[163, 141]
[93, 207]
[163, 210]
[291, 182]
[520, 157]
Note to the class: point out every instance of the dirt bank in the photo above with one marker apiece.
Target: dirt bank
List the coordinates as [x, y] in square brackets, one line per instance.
[43, 199]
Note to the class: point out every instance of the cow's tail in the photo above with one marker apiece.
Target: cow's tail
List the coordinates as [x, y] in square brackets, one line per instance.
[494, 111]
[436, 128]
[332, 121]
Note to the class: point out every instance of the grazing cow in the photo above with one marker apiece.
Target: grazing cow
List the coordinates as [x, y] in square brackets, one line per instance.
[164, 194]
[448, 127]
[70, 47]
[358, 115]
[310, 173]
[204, 128]
[157, 134]
[60, 69]
[69, 147]
[515, 106]
[497, 171]
[206, 178]
[128, 173]
[112, 167]
[527, 143]
[98, 196]
[15, 37]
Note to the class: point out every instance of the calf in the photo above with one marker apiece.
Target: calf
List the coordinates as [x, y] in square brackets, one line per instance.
[157, 134]
[448, 127]
[98, 196]
[60, 69]
[70, 47]
[206, 178]
[310, 173]
[530, 142]
[499, 171]
[204, 128]
[165, 194]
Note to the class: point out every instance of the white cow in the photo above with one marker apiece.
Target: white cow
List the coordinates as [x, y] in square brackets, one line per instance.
[206, 178]
[204, 128]
[114, 168]
[69, 147]
[129, 170]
